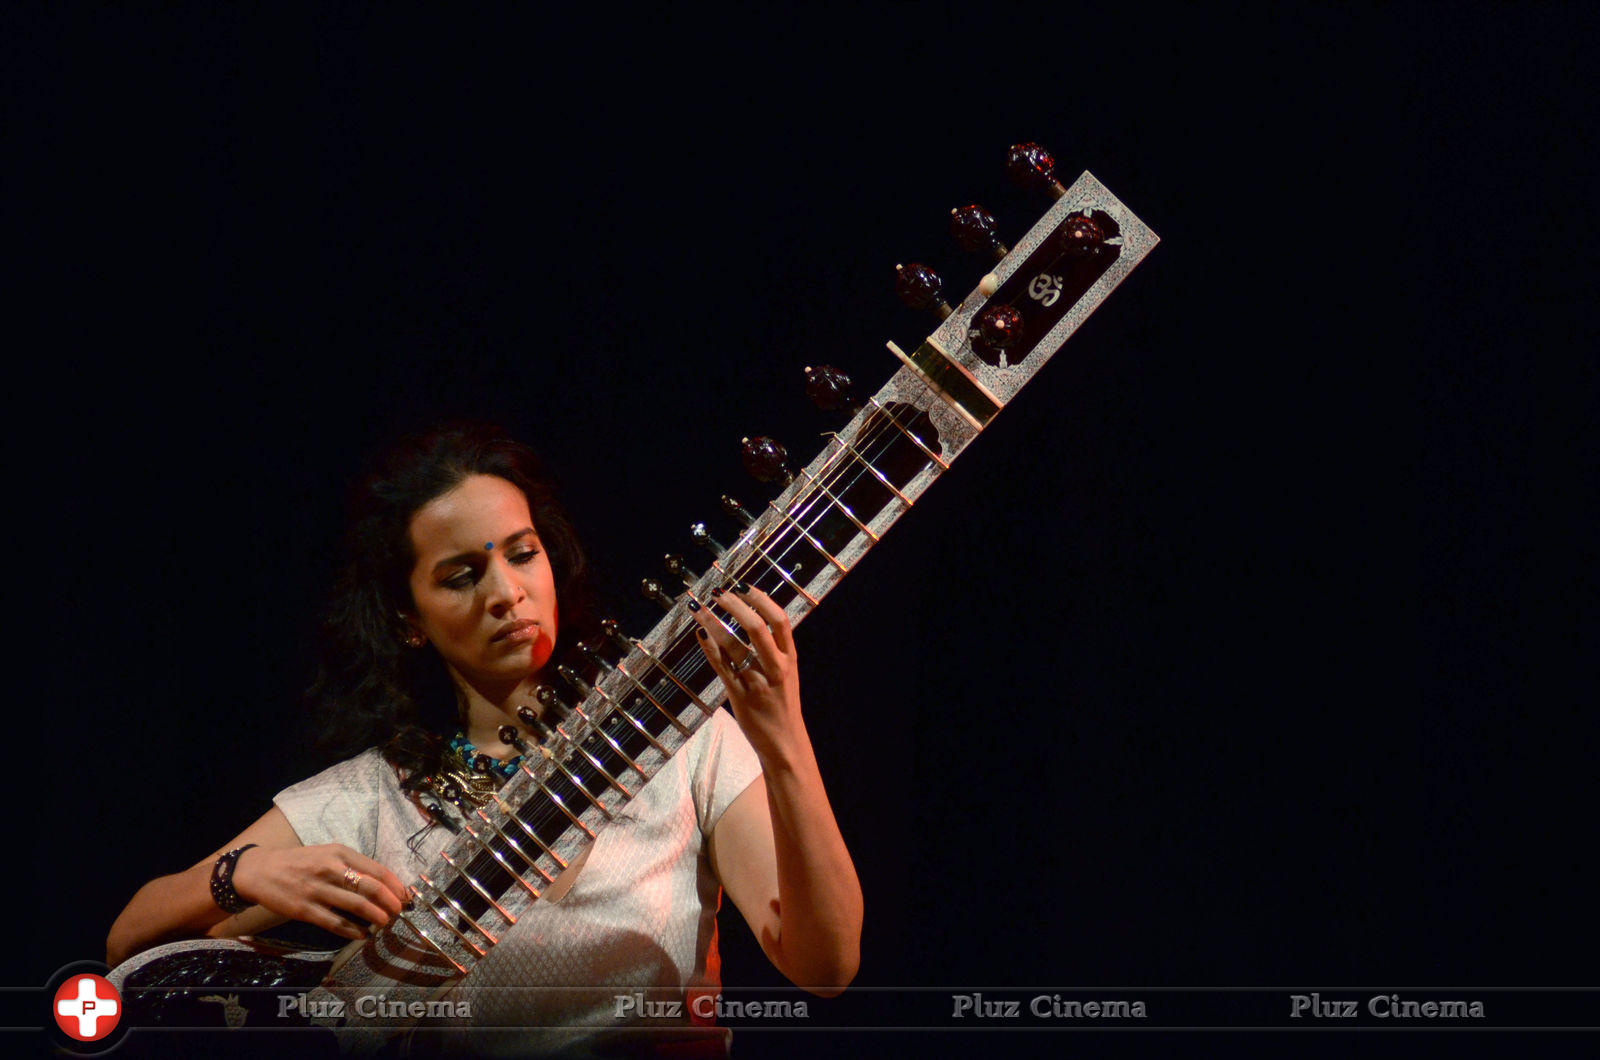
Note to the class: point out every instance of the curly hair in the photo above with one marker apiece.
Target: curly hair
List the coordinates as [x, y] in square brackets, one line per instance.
[371, 690]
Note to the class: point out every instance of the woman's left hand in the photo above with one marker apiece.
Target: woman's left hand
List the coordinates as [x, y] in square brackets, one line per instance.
[763, 684]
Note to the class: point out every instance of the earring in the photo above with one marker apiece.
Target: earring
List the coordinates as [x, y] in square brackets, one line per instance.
[415, 639]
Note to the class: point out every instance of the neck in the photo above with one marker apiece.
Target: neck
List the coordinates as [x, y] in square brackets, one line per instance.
[486, 708]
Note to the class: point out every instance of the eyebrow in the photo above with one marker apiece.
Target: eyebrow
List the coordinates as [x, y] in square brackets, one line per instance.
[467, 557]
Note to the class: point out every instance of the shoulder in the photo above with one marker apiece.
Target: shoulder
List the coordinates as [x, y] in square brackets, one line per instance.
[341, 803]
[721, 764]
[367, 772]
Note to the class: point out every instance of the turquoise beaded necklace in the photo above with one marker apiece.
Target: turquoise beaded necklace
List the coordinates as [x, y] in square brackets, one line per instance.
[469, 755]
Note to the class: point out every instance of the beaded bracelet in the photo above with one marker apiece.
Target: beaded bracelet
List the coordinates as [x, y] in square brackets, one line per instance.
[222, 891]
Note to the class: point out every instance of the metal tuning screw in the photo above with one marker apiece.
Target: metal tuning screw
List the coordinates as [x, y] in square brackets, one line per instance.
[681, 570]
[918, 287]
[703, 538]
[512, 738]
[1000, 326]
[974, 230]
[764, 460]
[555, 708]
[735, 509]
[652, 591]
[613, 633]
[482, 763]
[1081, 237]
[828, 388]
[530, 717]
[1031, 166]
[571, 677]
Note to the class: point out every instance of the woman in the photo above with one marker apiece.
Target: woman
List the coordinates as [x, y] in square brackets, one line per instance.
[464, 576]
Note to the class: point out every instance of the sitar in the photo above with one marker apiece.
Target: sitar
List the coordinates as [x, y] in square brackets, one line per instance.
[626, 705]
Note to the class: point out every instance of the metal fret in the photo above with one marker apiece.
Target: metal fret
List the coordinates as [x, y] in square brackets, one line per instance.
[929, 452]
[440, 918]
[531, 833]
[774, 565]
[533, 863]
[813, 541]
[604, 772]
[646, 693]
[607, 738]
[553, 797]
[617, 708]
[875, 472]
[434, 946]
[664, 668]
[456, 906]
[580, 785]
[515, 875]
[841, 506]
[448, 860]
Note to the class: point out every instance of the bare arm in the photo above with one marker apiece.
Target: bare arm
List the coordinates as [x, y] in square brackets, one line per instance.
[281, 877]
[777, 848]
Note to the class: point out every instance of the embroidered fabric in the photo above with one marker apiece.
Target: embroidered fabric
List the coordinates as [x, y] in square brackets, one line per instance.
[641, 915]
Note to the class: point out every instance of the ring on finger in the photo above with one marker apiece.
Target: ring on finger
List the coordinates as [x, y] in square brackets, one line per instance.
[744, 664]
[352, 879]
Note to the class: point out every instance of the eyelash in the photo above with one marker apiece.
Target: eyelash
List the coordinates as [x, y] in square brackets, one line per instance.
[465, 579]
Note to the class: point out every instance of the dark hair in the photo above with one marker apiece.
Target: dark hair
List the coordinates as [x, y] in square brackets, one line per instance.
[372, 689]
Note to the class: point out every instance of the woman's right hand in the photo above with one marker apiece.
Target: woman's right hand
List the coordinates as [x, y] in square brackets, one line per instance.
[321, 885]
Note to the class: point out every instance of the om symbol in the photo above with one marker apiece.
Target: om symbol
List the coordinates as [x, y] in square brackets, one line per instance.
[1045, 289]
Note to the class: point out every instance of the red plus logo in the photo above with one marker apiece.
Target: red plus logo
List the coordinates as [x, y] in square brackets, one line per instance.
[87, 1007]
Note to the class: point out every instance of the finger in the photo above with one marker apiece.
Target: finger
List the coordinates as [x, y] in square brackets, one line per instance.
[753, 624]
[713, 652]
[776, 618]
[329, 920]
[356, 904]
[389, 885]
[359, 900]
[719, 635]
[369, 894]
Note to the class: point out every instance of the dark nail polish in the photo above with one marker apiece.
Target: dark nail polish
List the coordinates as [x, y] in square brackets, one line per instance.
[741, 588]
[717, 591]
[694, 605]
[700, 632]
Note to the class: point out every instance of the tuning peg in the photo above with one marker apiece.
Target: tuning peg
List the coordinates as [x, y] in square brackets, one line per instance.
[1000, 326]
[764, 459]
[573, 678]
[651, 589]
[828, 388]
[530, 717]
[1081, 236]
[512, 738]
[613, 633]
[974, 229]
[918, 287]
[592, 653]
[703, 538]
[735, 509]
[681, 570]
[1031, 166]
[555, 708]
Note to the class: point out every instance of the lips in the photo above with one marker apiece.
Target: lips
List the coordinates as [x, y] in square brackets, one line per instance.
[517, 632]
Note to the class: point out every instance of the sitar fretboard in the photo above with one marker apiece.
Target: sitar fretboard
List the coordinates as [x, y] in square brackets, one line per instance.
[645, 698]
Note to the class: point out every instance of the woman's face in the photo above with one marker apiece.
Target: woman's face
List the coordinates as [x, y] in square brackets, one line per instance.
[484, 593]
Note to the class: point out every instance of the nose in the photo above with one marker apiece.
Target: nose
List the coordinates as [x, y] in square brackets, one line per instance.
[504, 590]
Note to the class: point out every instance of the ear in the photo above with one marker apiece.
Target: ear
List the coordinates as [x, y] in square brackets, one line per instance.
[411, 630]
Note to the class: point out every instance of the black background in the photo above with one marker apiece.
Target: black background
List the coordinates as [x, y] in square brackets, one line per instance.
[1225, 657]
